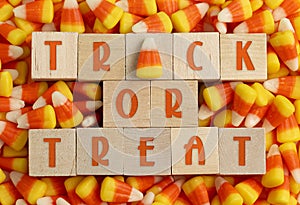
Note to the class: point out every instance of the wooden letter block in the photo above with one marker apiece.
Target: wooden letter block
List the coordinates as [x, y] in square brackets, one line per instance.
[164, 43]
[52, 152]
[101, 57]
[126, 104]
[196, 56]
[174, 103]
[100, 151]
[195, 150]
[242, 151]
[147, 151]
[243, 57]
[54, 56]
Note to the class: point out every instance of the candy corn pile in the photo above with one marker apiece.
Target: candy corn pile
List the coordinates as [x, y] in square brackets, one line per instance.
[273, 104]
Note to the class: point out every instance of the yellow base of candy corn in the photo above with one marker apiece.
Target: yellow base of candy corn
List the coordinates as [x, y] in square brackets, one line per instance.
[2, 176]
[273, 178]
[72, 28]
[76, 120]
[16, 37]
[38, 190]
[149, 72]
[21, 141]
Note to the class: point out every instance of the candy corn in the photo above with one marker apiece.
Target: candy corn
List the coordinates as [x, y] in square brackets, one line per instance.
[9, 104]
[288, 131]
[29, 93]
[6, 10]
[147, 200]
[67, 113]
[195, 190]
[10, 152]
[236, 11]
[286, 86]
[8, 193]
[6, 84]
[70, 185]
[12, 116]
[36, 11]
[55, 186]
[87, 107]
[170, 193]
[142, 183]
[167, 6]
[127, 21]
[212, 14]
[141, 8]
[29, 187]
[286, 8]
[21, 68]
[273, 4]
[113, 190]
[9, 52]
[272, 60]
[158, 187]
[41, 118]
[223, 118]
[227, 193]
[186, 19]
[19, 164]
[250, 190]
[13, 34]
[71, 18]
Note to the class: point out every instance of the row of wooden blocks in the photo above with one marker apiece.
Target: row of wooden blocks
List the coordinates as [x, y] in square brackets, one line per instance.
[196, 56]
[146, 151]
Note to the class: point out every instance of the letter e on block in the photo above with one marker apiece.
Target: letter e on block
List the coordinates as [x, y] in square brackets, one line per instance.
[242, 151]
[243, 57]
[54, 56]
[101, 57]
[52, 152]
[195, 150]
[100, 151]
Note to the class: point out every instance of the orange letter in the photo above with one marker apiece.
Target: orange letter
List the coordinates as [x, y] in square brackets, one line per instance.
[96, 159]
[190, 55]
[242, 149]
[99, 64]
[134, 103]
[171, 110]
[189, 148]
[143, 151]
[52, 150]
[241, 53]
[52, 45]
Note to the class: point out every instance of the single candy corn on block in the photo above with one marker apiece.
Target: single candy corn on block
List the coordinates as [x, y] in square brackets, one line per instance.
[9, 104]
[9, 52]
[236, 11]
[287, 86]
[127, 21]
[8, 193]
[250, 190]
[167, 6]
[274, 175]
[227, 193]
[88, 190]
[6, 84]
[170, 193]
[80, 90]
[46, 98]
[284, 45]
[29, 187]
[10, 152]
[41, 118]
[280, 194]
[156, 23]
[113, 190]
[149, 63]
[261, 22]
[288, 152]
[71, 18]
[286, 8]
[186, 19]
[220, 95]
[279, 110]
[273, 63]
[36, 11]
[142, 183]
[196, 191]
[70, 186]
[6, 11]
[140, 8]
[244, 98]
[158, 187]
[14, 137]
[288, 130]
[108, 13]
[55, 186]
[29, 93]
[12, 34]
[19, 164]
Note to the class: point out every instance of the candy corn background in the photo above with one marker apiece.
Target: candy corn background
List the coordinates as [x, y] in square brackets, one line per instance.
[273, 104]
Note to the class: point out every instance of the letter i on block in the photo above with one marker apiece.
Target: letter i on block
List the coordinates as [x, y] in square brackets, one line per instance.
[52, 152]
[147, 151]
[242, 151]
[101, 57]
[196, 56]
[100, 151]
[195, 150]
[54, 55]
[243, 57]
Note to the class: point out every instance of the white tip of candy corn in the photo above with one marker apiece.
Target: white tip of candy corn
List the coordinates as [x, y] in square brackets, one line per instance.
[272, 85]
[225, 15]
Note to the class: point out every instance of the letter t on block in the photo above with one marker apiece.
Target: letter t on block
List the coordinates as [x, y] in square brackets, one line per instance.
[242, 151]
[54, 56]
[52, 152]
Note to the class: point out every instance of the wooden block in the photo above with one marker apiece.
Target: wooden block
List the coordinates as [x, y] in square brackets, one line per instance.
[52, 152]
[101, 57]
[126, 104]
[242, 151]
[196, 56]
[147, 151]
[54, 56]
[174, 103]
[100, 151]
[195, 150]
[164, 44]
[243, 57]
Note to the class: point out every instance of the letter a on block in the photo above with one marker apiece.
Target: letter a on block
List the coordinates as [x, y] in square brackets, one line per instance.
[243, 57]
[190, 146]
